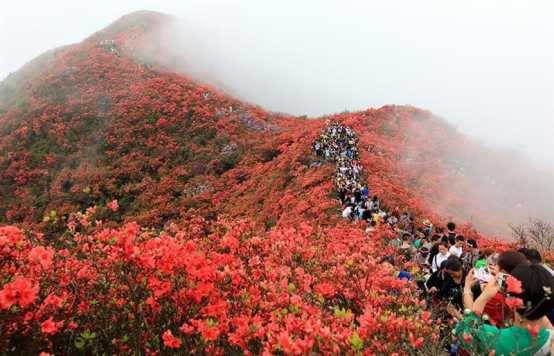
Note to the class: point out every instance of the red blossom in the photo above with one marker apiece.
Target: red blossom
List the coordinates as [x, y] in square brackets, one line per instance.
[534, 330]
[113, 205]
[514, 303]
[21, 291]
[415, 342]
[170, 340]
[41, 255]
[51, 327]
[514, 285]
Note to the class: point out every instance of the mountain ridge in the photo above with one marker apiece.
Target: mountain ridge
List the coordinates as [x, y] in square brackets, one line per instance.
[100, 98]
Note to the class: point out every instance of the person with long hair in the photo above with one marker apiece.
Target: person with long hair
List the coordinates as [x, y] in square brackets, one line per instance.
[528, 334]
[441, 256]
[495, 308]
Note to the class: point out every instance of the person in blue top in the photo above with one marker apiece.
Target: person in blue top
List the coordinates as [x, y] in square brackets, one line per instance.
[389, 262]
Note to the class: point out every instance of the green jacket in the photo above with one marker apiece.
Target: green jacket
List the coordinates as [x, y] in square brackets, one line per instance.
[510, 341]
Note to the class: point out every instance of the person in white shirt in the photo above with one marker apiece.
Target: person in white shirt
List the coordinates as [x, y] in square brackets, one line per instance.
[440, 257]
[346, 212]
[457, 248]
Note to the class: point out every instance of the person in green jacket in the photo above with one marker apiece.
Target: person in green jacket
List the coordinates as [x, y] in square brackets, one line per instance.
[530, 333]
[482, 261]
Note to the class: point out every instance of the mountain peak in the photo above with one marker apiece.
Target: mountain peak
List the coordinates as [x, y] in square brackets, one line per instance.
[140, 20]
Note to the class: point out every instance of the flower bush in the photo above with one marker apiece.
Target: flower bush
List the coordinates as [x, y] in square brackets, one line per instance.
[210, 288]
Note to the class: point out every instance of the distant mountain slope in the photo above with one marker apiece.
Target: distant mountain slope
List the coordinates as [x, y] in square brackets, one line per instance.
[96, 121]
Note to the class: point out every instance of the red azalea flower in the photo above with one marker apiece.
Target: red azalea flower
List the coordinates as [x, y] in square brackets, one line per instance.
[51, 327]
[514, 303]
[170, 340]
[21, 291]
[113, 205]
[415, 342]
[211, 334]
[514, 285]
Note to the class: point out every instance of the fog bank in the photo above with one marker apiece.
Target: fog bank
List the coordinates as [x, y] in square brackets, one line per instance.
[487, 67]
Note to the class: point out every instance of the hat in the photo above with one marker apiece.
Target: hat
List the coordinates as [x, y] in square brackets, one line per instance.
[424, 251]
[472, 243]
[427, 223]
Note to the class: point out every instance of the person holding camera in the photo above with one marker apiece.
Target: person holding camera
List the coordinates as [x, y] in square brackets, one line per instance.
[529, 332]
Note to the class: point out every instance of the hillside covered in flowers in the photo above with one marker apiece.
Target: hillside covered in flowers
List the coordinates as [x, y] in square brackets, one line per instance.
[143, 212]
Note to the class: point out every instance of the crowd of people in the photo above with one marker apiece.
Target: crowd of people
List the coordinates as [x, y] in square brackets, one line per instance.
[457, 280]
[109, 46]
[338, 145]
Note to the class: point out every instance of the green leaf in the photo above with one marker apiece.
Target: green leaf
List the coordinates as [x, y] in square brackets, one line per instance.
[79, 342]
[292, 288]
[356, 342]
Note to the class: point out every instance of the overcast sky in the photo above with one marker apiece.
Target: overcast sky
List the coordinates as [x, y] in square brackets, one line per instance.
[486, 66]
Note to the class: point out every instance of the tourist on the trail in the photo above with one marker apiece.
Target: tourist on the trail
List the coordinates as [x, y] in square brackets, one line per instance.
[457, 248]
[435, 239]
[451, 234]
[519, 338]
[495, 308]
[406, 249]
[428, 226]
[388, 262]
[489, 251]
[421, 257]
[452, 289]
[347, 212]
[472, 255]
[441, 256]
[371, 227]
[534, 257]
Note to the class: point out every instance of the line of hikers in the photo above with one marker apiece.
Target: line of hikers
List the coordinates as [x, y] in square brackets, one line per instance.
[460, 282]
[110, 46]
[338, 144]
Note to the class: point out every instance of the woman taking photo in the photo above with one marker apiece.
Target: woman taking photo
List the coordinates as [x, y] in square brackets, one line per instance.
[529, 332]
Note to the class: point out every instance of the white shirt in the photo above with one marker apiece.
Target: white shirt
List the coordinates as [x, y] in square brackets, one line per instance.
[456, 251]
[346, 212]
[438, 259]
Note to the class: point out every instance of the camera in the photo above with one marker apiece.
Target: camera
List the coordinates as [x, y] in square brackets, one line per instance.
[483, 274]
[502, 279]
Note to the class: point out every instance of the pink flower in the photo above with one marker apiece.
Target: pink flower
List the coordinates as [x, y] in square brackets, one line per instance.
[187, 329]
[113, 205]
[514, 285]
[42, 255]
[285, 341]
[10, 235]
[170, 340]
